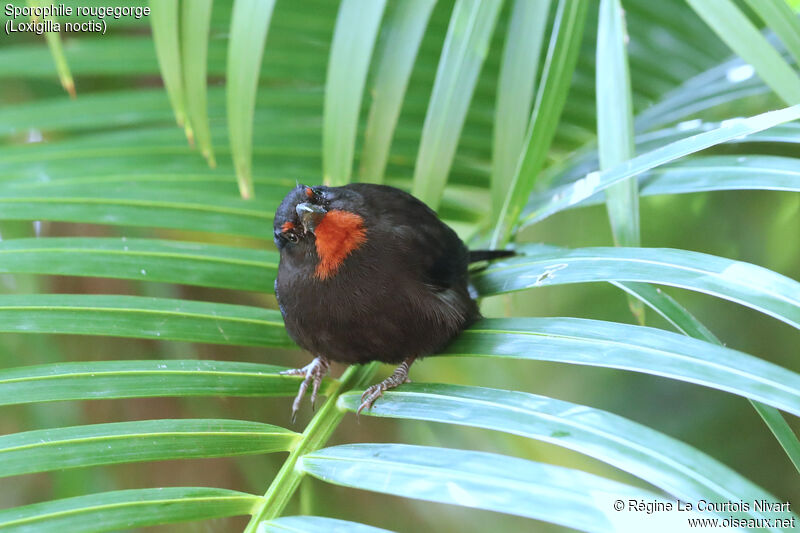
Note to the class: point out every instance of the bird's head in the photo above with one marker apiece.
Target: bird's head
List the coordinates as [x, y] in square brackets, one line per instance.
[319, 224]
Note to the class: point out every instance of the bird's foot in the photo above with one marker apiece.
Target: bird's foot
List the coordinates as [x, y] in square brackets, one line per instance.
[398, 377]
[313, 372]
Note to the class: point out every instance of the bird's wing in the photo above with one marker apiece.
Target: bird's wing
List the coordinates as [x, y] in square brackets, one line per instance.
[431, 245]
[420, 242]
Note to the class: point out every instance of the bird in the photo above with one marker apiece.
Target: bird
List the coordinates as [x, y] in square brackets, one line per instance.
[368, 273]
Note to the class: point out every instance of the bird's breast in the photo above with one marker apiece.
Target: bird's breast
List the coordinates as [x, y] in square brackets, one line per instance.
[338, 235]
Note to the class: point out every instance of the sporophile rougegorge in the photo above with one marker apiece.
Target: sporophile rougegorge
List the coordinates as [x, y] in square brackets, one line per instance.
[369, 273]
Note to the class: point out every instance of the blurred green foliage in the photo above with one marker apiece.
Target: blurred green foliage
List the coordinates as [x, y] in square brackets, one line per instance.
[118, 141]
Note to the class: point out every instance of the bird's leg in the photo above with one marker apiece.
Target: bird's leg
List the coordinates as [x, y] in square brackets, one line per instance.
[313, 372]
[398, 377]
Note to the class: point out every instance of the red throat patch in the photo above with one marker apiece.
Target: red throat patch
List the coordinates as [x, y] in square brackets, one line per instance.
[337, 236]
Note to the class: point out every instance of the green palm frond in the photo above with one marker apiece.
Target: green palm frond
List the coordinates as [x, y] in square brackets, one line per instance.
[448, 100]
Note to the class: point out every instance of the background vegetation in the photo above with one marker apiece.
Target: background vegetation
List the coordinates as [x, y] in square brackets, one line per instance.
[138, 275]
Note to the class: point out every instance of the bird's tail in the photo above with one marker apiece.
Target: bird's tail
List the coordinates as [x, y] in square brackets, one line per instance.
[488, 255]
[483, 255]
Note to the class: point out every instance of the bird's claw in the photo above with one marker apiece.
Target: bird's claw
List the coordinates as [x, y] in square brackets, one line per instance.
[370, 395]
[313, 372]
[398, 377]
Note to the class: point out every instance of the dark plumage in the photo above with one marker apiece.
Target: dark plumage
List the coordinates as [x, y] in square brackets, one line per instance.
[369, 273]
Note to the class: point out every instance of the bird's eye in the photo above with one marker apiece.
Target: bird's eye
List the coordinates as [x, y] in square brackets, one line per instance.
[292, 237]
[317, 196]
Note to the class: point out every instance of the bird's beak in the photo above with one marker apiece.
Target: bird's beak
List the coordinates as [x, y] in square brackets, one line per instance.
[310, 215]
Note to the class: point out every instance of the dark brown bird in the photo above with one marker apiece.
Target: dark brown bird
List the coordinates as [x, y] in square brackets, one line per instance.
[369, 273]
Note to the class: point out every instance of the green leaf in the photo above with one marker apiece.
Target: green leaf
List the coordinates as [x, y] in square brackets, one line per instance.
[562, 55]
[673, 26]
[724, 173]
[718, 173]
[126, 509]
[92, 57]
[666, 306]
[160, 200]
[248, 33]
[141, 107]
[475, 479]
[783, 21]
[565, 196]
[680, 470]
[57, 51]
[92, 110]
[316, 434]
[62, 67]
[164, 24]
[127, 147]
[783, 137]
[45, 450]
[186, 263]
[159, 157]
[195, 20]
[615, 121]
[615, 128]
[744, 283]
[353, 40]
[314, 524]
[465, 48]
[733, 27]
[635, 348]
[142, 317]
[735, 83]
[515, 87]
[123, 205]
[687, 324]
[145, 379]
[784, 434]
[404, 27]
